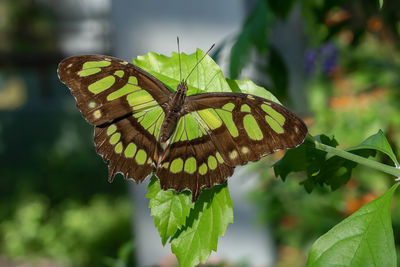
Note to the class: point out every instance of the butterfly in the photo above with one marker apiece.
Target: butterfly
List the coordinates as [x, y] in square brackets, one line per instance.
[189, 142]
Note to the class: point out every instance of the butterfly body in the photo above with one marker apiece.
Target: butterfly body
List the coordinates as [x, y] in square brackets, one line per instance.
[189, 142]
[174, 111]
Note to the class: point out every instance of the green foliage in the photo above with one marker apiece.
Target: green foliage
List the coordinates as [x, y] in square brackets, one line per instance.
[366, 237]
[71, 233]
[253, 34]
[363, 239]
[321, 169]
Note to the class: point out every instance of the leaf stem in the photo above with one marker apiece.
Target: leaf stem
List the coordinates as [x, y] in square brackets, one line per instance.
[358, 159]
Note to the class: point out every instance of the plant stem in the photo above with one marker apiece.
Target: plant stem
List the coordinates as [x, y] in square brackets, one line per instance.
[361, 160]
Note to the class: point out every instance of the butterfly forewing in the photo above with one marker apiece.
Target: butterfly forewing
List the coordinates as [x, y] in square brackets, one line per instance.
[107, 88]
[126, 106]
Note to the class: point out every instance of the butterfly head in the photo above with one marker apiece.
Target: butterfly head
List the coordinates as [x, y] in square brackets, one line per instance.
[182, 87]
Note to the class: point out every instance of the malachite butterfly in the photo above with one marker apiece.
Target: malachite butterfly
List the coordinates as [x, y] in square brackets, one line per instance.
[189, 141]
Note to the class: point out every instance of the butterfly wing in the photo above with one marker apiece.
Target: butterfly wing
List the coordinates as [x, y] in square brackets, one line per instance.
[126, 106]
[220, 131]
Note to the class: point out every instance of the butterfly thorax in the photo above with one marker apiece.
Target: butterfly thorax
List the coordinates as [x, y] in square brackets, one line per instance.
[174, 112]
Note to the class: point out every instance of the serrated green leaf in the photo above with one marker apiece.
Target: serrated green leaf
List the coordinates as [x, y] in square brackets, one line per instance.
[168, 208]
[208, 220]
[378, 142]
[207, 77]
[363, 239]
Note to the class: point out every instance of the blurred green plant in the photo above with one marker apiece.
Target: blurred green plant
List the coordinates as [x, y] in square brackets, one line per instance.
[71, 233]
[26, 27]
[351, 65]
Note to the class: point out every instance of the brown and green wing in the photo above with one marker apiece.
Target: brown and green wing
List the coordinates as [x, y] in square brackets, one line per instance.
[220, 131]
[107, 88]
[126, 106]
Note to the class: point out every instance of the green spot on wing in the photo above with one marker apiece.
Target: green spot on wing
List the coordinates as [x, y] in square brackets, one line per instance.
[229, 106]
[141, 157]
[274, 125]
[111, 129]
[245, 108]
[119, 73]
[190, 165]
[115, 138]
[274, 114]
[141, 100]
[176, 165]
[94, 64]
[118, 148]
[203, 169]
[101, 85]
[252, 128]
[130, 150]
[219, 158]
[212, 162]
[210, 117]
[126, 89]
[88, 72]
[132, 80]
[226, 116]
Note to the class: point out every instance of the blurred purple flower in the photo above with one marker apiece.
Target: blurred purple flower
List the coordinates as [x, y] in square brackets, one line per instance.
[325, 56]
[329, 56]
[310, 58]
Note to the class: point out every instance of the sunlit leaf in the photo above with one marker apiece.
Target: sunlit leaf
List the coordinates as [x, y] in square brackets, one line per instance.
[168, 208]
[363, 239]
[207, 221]
[208, 77]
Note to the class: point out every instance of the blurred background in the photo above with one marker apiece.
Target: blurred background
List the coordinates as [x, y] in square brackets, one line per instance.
[334, 63]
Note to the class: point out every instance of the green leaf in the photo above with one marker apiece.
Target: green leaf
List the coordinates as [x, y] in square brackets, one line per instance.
[207, 221]
[334, 171]
[281, 8]
[240, 54]
[253, 34]
[378, 142]
[207, 77]
[248, 87]
[380, 4]
[278, 72]
[363, 239]
[168, 208]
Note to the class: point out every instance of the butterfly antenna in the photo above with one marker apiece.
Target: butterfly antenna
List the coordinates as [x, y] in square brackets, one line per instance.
[179, 56]
[208, 51]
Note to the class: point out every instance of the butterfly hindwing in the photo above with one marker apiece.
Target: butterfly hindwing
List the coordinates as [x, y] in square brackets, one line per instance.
[232, 129]
[126, 106]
